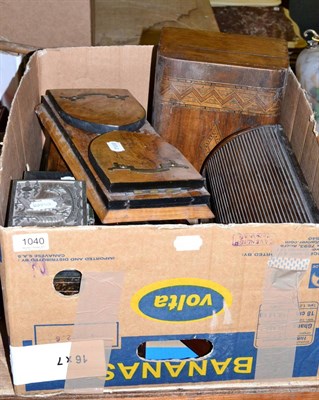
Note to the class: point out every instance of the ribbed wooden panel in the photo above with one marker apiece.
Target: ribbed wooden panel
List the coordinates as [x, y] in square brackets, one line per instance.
[254, 177]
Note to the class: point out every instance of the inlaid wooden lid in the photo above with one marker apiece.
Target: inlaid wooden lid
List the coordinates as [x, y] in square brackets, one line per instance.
[98, 110]
[127, 161]
[224, 48]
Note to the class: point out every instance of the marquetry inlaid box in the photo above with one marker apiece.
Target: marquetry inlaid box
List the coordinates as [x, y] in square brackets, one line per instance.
[209, 85]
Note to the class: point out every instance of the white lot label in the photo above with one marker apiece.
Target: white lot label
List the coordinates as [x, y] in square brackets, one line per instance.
[115, 146]
[30, 242]
[39, 363]
[57, 361]
[188, 243]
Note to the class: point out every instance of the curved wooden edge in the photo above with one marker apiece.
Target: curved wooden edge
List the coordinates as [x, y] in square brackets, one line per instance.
[16, 48]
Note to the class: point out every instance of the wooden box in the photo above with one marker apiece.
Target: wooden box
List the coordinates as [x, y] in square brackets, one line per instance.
[209, 85]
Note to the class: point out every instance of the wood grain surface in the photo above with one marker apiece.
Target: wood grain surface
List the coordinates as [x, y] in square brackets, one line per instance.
[145, 161]
[5, 379]
[98, 110]
[209, 85]
[117, 207]
[224, 48]
[180, 395]
[16, 48]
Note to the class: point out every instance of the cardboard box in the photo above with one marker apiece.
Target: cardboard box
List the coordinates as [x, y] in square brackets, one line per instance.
[250, 291]
[47, 23]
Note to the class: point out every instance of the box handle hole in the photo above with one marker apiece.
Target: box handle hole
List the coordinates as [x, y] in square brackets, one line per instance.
[164, 350]
[68, 282]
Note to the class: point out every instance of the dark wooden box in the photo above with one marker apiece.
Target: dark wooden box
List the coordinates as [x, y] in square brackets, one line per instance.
[209, 85]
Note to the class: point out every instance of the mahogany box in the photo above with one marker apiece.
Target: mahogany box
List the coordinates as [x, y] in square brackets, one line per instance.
[209, 85]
